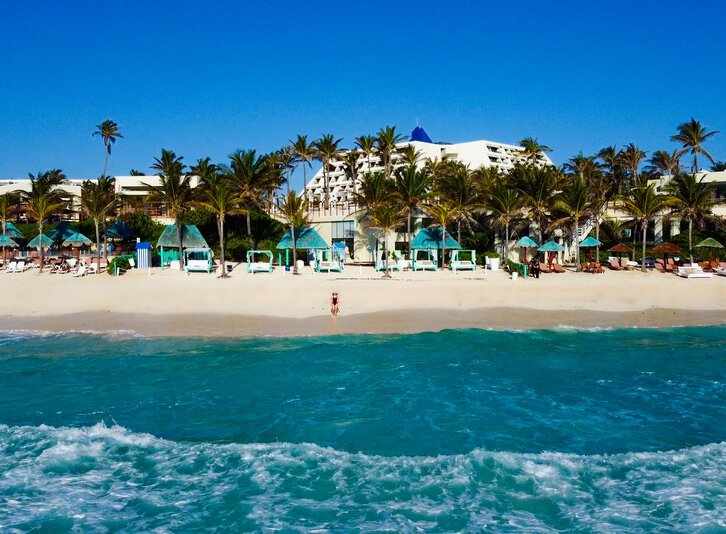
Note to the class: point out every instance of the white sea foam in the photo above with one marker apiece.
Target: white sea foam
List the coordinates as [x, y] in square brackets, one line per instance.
[88, 475]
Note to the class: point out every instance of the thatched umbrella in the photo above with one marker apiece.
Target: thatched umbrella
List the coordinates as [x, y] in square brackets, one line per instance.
[77, 240]
[666, 249]
[6, 241]
[620, 249]
[711, 243]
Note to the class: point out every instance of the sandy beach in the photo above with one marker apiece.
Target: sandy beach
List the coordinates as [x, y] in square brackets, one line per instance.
[170, 303]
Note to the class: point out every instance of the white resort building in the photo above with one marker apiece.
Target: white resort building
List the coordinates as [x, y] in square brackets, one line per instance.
[340, 221]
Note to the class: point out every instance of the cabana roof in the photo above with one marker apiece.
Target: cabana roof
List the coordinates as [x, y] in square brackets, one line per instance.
[590, 242]
[430, 239]
[6, 241]
[191, 237]
[305, 238]
[40, 240]
[119, 230]
[76, 239]
[550, 246]
[12, 230]
[61, 232]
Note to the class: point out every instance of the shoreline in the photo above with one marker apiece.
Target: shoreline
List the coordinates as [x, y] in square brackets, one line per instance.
[403, 321]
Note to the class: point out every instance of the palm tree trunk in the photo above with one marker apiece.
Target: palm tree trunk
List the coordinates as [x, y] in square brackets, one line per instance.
[179, 242]
[645, 232]
[577, 246]
[294, 250]
[249, 224]
[408, 232]
[690, 238]
[326, 197]
[386, 274]
[98, 245]
[105, 160]
[40, 233]
[506, 243]
[597, 236]
[695, 163]
[458, 231]
[221, 246]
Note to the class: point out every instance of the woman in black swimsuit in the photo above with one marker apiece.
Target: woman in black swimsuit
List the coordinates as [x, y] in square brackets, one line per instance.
[334, 304]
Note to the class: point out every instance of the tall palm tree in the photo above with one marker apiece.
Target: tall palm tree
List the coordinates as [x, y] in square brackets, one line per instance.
[612, 165]
[386, 217]
[109, 133]
[284, 161]
[5, 205]
[442, 212]
[692, 199]
[98, 200]
[458, 188]
[350, 159]
[386, 141]
[326, 150]
[643, 203]
[44, 199]
[665, 163]
[217, 194]
[692, 135]
[533, 149]
[631, 157]
[252, 178]
[539, 188]
[174, 191]
[367, 145]
[374, 195]
[413, 187]
[294, 210]
[574, 204]
[304, 153]
[505, 204]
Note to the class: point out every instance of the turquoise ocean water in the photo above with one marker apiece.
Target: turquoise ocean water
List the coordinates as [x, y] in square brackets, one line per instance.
[472, 430]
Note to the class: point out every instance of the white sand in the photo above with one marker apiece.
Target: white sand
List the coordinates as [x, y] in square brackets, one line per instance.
[162, 296]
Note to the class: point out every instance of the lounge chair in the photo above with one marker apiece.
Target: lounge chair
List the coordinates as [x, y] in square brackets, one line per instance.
[614, 264]
[19, 267]
[557, 268]
[544, 268]
[693, 271]
[81, 271]
[721, 271]
[11, 267]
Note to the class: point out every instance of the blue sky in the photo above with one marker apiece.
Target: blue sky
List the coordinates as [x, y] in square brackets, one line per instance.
[206, 78]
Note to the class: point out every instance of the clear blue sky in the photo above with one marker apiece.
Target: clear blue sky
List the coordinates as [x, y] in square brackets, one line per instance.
[205, 78]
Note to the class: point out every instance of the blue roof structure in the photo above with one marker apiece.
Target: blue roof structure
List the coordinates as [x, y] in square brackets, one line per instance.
[419, 134]
[430, 239]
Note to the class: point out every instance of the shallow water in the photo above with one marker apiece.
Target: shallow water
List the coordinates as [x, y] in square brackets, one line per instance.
[615, 430]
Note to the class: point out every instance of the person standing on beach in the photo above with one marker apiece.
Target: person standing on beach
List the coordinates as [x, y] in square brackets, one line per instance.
[334, 304]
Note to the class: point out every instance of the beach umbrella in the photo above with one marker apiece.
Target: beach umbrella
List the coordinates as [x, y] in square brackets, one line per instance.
[550, 246]
[711, 243]
[620, 249]
[525, 243]
[664, 249]
[12, 231]
[40, 240]
[76, 240]
[590, 242]
[6, 241]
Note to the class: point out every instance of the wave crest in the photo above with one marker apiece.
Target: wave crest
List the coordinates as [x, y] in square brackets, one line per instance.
[100, 476]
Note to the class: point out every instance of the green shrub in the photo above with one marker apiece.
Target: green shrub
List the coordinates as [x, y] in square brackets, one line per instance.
[236, 248]
[121, 262]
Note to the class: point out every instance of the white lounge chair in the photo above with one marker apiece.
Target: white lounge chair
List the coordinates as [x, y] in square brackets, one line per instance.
[81, 271]
[721, 271]
[11, 267]
[19, 267]
[693, 271]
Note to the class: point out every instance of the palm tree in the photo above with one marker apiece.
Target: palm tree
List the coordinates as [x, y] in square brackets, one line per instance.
[326, 150]
[386, 217]
[109, 133]
[304, 154]
[692, 135]
[665, 163]
[505, 204]
[442, 212]
[692, 199]
[533, 149]
[643, 203]
[409, 155]
[252, 178]
[413, 187]
[373, 196]
[217, 194]
[44, 199]
[350, 160]
[631, 157]
[367, 145]
[386, 141]
[98, 200]
[174, 191]
[294, 209]
[612, 165]
[284, 161]
[575, 205]
[5, 204]
[539, 187]
[458, 188]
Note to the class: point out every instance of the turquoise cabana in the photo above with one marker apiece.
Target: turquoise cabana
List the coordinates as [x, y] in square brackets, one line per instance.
[525, 243]
[40, 240]
[428, 241]
[76, 240]
[168, 242]
[306, 238]
[259, 261]
[12, 231]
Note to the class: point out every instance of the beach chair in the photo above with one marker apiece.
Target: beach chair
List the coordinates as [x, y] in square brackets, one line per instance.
[693, 271]
[544, 268]
[92, 268]
[670, 265]
[614, 264]
[81, 271]
[660, 266]
[19, 267]
[11, 267]
[557, 268]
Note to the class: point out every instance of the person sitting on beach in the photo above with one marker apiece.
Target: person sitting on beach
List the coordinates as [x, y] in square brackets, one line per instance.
[534, 267]
[334, 304]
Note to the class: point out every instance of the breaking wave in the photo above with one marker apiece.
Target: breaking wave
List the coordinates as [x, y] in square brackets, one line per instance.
[109, 478]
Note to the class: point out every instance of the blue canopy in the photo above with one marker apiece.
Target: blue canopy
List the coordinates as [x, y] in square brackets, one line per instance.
[12, 230]
[5, 241]
[119, 230]
[430, 239]
[550, 246]
[419, 134]
[527, 242]
[61, 232]
[76, 239]
[590, 242]
[305, 238]
[40, 240]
